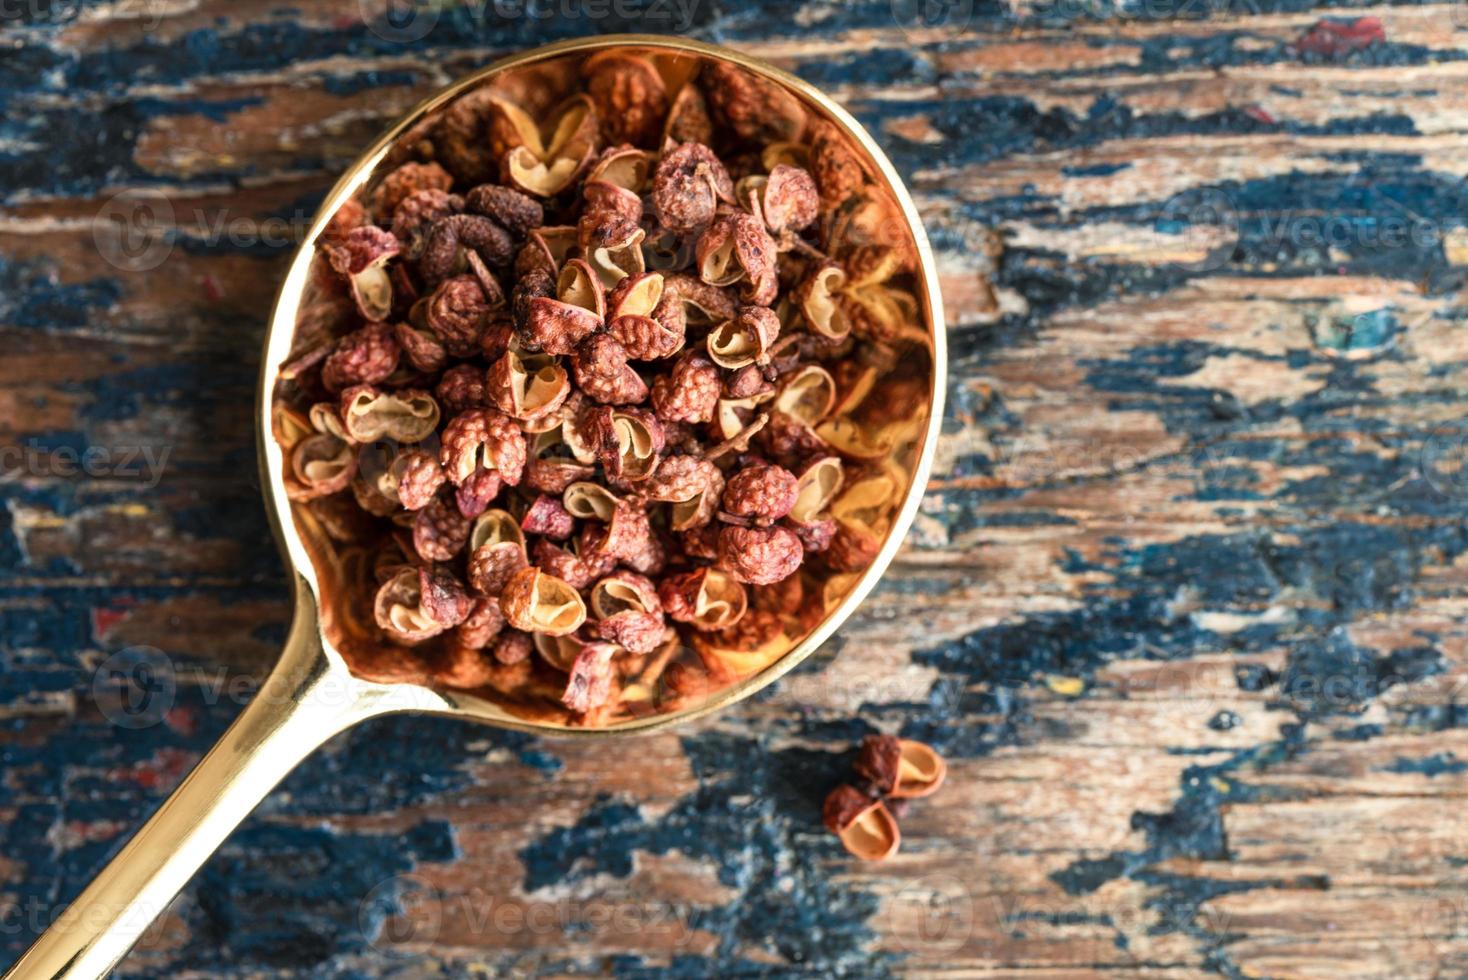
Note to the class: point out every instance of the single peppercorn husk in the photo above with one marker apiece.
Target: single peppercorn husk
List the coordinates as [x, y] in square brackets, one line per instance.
[865, 826]
[900, 768]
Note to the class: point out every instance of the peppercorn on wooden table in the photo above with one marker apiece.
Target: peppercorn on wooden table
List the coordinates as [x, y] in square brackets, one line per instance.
[1183, 609]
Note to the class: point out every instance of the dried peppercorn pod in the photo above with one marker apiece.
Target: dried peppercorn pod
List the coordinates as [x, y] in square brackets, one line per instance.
[785, 598]
[474, 495]
[350, 215]
[459, 139]
[442, 597]
[321, 464]
[687, 187]
[600, 369]
[736, 249]
[692, 484]
[707, 599]
[447, 241]
[648, 324]
[628, 441]
[606, 202]
[482, 438]
[879, 311]
[651, 558]
[745, 648]
[570, 564]
[688, 117]
[761, 493]
[754, 108]
[457, 313]
[701, 543]
[517, 213]
[747, 382]
[785, 201]
[689, 392]
[552, 466]
[746, 339]
[865, 826]
[439, 530]
[417, 212]
[323, 458]
[837, 171]
[703, 304]
[546, 516]
[539, 603]
[482, 626]
[528, 387]
[365, 356]
[341, 519]
[631, 101]
[816, 488]
[819, 299]
[545, 250]
[406, 415]
[852, 548]
[628, 534]
[791, 441]
[422, 349]
[628, 611]
[804, 398]
[372, 491]
[590, 681]
[759, 555]
[560, 652]
[460, 389]
[612, 243]
[544, 159]
[624, 167]
[558, 325]
[862, 514]
[496, 552]
[361, 257]
[899, 767]
[418, 603]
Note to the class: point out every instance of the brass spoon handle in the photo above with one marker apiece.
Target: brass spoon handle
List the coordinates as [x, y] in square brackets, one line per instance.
[308, 698]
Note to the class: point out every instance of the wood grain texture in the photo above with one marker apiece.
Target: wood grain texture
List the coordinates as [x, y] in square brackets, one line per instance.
[1184, 606]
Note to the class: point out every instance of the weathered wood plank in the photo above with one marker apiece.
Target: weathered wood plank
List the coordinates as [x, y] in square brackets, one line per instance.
[1184, 606]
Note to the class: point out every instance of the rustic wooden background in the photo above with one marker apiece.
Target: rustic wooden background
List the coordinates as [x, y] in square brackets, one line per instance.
[1183, 607]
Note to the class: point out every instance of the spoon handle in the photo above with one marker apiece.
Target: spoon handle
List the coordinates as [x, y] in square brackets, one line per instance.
[308, 698]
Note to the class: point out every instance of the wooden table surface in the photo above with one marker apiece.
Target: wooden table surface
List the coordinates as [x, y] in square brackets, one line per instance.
[1183, 607]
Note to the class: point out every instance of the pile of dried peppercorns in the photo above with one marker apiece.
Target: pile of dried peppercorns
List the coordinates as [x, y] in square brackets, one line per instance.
[889, 770]
[596, 369]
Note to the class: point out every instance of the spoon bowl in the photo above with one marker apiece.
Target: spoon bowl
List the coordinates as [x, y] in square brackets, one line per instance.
[331, 675]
